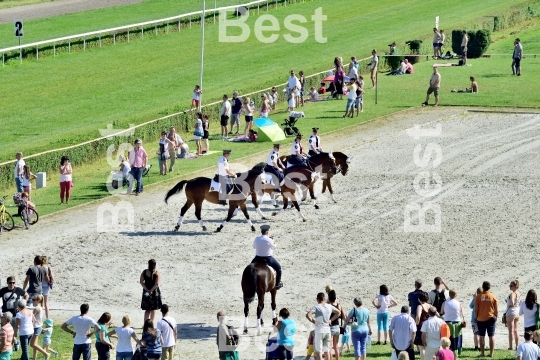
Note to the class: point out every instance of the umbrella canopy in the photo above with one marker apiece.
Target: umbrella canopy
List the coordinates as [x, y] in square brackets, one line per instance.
[330, 78]
[268, 130]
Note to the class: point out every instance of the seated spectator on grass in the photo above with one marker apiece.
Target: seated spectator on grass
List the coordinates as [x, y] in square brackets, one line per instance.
[253, 135]
[472, 89]
[322, 89]
[401, 70]
[410, 68]
[313, 95]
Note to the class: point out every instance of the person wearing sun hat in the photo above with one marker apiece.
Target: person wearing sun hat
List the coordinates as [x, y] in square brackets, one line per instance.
[224, 174]
[274, 165]
[47, 333]
[314, 143]
[264, 247]
[7, 337]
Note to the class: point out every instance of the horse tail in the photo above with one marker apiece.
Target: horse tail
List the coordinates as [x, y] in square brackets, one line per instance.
[175, 190]
[249, 283]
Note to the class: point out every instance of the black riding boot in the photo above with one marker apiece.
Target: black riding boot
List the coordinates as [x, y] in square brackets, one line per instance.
[279, 284]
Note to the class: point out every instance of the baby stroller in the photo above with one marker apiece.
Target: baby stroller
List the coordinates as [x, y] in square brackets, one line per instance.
[289, 127]
[27, 213]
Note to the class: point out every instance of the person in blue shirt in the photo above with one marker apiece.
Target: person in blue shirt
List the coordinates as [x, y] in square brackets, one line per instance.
[286, 330]
[474, 324]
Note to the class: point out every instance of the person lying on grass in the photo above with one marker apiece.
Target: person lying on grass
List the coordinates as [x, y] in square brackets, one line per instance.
[472, 89]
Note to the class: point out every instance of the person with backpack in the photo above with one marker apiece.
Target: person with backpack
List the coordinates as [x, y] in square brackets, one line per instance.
[453, 316]
[438, 296]
[431, 333]
[226, 341]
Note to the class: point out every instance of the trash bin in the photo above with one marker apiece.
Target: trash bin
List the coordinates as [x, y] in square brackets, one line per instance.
[41, 180]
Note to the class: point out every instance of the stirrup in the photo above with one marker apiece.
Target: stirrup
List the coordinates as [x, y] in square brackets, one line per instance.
[279, 285]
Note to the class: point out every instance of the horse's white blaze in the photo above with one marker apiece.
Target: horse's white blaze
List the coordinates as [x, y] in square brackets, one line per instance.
[180, 220]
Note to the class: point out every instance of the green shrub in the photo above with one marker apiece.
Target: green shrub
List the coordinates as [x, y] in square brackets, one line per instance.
[414, 46]
[393, 62]
[479, 42]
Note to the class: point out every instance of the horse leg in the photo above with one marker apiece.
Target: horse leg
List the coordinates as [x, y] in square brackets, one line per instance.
[324, 185]
[312, 195]
[274, 202]
[255, 202]
[232, 207]
[297, 207]
[331, 191]
[198, 208]
[285, 204]
[246, 313]
[235, 212]
[260, 308]
[185, 208]
[243, 207]
[274, 315]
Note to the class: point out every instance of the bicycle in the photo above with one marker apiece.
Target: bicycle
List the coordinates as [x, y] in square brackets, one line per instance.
[6, 220]
[28, 214]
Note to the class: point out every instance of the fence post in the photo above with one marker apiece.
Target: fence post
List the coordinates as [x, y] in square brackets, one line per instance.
[142, 32]
[37, 53]
[167, 28]
[179, 24]
[69, 46]
[99, 40]
[2, 59]
[155, 28]
[20, 55]
[84, 43]
[54, 48]
[128, 34]
[190, 21]
[114, 38]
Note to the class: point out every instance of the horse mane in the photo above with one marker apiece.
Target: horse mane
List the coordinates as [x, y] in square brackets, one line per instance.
[259, 167]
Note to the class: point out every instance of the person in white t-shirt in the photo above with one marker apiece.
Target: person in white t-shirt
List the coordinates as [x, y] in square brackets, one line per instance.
[124, 349]
[383, 301]
[82, 343]
[169, 332]
[374, 63]
[321, 315]
[528, 350]
[18, 172]
[431, 333]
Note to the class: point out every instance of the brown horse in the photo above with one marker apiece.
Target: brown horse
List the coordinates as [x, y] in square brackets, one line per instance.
[258, 279]
[198, 190]
[342, 163]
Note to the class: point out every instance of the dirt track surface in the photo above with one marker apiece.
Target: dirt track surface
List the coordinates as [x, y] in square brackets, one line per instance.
[57, 7]
[489, 231]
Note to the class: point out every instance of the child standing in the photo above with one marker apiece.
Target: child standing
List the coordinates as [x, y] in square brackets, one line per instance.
[309, 347]
[383, 301]
[445, 353]
[195, 101]
[345, 339]
[47, 333]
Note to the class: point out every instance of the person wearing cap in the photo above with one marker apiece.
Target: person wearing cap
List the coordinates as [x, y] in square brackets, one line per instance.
[224, 174]
[297, 155]
[274, 165]
[138, 159]
[236, 108]
[264, 247]
[7, 337]
[314, 143]
[403, 332]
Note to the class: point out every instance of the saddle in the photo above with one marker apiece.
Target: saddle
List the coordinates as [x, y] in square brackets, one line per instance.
[215, 185]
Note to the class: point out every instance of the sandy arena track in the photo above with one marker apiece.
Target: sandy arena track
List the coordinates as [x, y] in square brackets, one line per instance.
[57, 7]
[489, 212]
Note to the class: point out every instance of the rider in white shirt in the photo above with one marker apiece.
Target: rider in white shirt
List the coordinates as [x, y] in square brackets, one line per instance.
[274, 165]
[264, 247]
[297, 155]
[314, 143]
[224, 174]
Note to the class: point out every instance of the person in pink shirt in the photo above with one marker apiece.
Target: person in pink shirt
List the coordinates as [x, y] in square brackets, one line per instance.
[409, 67]
[138, 159]
[444, 352]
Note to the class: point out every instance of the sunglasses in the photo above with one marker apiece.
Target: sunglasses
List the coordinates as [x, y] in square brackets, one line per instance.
[35, 299]
[11, 282]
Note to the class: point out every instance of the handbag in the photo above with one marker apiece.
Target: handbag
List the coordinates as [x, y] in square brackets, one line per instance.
[353, 320]
[504, 318]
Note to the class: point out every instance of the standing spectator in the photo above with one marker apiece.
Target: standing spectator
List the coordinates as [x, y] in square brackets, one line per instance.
[358, 318]
[35, 276]
[124, 350]
[421, 316]
[47, 334]
[474, 323]
[138, 159]
[300, 91]
[516, 57]
[225, 114]
[27, 178]
[434, 85]
[464, 45]
[337, 323]
[7, 337]
[392, 47]
[10, 296]
[66, 180]
[442, 38]
[169, 332]
[82, 343]
[486, 311]
[528, 350]
[321, 315]
[351, 99]
[438, 296]
[24, 327]
[431, 333]
[198, 133]
[436, 40]
[453, 316]
[528, 309]
[291, 99]
[274, 97]
[359, 101]
[383, 301]
[103, 342]
[513, 311]
[373, 67]
[177, 141]
[412, 297]
[37, 302]
[248, 111]
[403, 332]
[206, 132]
[339, 80]
[18, 171]
[225, 341]
[235, 112]
[338, 62]
[151, 297]
[196, 99]
[46, 286]
[265, 106]
[293, 85]
[285, 340]
[151, 339]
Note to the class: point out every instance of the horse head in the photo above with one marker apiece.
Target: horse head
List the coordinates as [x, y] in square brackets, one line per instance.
[342, 162]
[332, 163]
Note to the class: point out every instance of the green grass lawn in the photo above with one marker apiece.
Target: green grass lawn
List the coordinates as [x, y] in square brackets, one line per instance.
[66, 99]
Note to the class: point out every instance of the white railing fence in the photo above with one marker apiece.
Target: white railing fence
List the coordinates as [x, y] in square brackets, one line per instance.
[188, 19]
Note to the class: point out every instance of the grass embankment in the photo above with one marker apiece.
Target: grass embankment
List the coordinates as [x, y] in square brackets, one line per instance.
[66, 99]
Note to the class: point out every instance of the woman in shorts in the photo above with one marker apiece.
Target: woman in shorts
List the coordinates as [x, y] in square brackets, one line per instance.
[358, 102]
[198, 133]
[474, 324]
[248, 111]
[265, 107]
[206, 131]
[335, 326]
[512, 313]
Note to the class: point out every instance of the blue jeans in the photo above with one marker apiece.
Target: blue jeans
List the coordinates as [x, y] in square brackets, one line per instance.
[137, 176]
[285, 352]
[18, 184]
[82, 349]
[25, 339]
[359, 342]
[272, 263]
[124, 355]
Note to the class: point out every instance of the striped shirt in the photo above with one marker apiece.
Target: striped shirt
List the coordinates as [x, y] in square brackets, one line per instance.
[6, 334]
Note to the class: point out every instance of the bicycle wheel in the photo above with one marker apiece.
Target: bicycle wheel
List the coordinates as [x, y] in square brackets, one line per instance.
[33, 216]
[7, 222]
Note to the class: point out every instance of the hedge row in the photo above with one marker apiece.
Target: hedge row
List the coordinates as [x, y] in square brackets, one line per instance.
[478, 42]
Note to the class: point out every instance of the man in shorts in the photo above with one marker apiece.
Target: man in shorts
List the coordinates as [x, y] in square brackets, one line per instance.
[436, 40]
[464, 45]
[321, 315]
[225, 114]
[486, 312]
[236, 108]
[434, 85]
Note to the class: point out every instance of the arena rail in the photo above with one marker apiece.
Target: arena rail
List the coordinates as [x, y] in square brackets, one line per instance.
[139, 27]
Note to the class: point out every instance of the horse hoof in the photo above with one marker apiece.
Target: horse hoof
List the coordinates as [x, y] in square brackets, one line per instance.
[176, 227]
[304, 220]
[218, 230]
[276, 206]
[245, 331]
[274, 213]
[204, 228]
[317, 207]
[252, 228]
[264, 218]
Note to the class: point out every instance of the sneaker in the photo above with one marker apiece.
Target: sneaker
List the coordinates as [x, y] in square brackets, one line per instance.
[279, 285]
[425, 103]
[55, 354]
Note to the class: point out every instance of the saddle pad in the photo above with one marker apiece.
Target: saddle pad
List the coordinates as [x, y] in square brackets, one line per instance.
[214, 186]
[268, 178]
